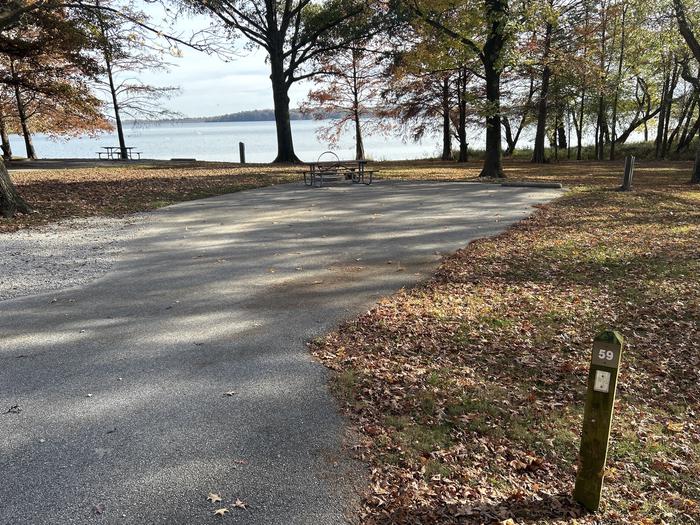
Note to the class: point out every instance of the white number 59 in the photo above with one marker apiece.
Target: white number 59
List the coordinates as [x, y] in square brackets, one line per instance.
[608, 355]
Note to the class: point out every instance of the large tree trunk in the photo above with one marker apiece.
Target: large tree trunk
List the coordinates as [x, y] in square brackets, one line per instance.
[497, 12]
[5, 140]
[446, 126]
[10, 200]
[538, 153]
[695, 177]
[493, 160]
[280, 96]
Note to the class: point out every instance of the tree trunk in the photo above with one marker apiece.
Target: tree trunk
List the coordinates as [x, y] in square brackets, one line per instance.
[509, 137]
[10, 200]
[22, 112]
[107, 53]
[280, 96]
[622, 138]
[26, 134]
[600, 120]
[579, 128]
[462, 116]
[688, 119]
[599, 143]
[359, 144]
[561, 136]
[616, 98]
[497, 12]
[690, 135]
[695, 177]
[446, 127]
[123, 152]
[493, 160]
[662, 116]
[667, 121]
[5, 140]
[538, 153]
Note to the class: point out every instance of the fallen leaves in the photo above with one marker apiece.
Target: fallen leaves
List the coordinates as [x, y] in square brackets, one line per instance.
[60, 194]
[468, 392]
[222, 511]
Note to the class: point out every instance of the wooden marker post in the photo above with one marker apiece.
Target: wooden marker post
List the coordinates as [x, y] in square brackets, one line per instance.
[241, 151]
[629, 173]
[597, 418]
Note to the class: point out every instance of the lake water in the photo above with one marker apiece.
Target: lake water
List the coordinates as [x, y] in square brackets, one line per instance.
[219, 141]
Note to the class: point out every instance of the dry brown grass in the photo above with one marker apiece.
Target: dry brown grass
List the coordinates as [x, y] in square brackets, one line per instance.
[80, 192]
[64, 193]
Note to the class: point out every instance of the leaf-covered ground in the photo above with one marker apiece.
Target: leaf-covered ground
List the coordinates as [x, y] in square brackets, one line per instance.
[58, 194]
[468, 391]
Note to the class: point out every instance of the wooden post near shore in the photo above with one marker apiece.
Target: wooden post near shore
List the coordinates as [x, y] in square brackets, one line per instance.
[241, 151]
[597, 418]
[629, 173]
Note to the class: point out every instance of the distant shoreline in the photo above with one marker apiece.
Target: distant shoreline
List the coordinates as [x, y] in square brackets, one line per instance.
[256, 115]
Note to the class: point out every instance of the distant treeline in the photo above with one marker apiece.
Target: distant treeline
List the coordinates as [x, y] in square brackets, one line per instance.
[255, 115]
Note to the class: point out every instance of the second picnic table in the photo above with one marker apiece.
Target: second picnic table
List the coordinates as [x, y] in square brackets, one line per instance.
[329, 167]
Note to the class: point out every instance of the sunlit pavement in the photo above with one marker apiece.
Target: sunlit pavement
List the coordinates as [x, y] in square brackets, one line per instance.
[121, 383]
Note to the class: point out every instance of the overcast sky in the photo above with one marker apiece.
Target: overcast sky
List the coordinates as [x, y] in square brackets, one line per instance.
[210, 86]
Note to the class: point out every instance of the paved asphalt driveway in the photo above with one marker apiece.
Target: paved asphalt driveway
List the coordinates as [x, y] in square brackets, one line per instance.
[121, 382]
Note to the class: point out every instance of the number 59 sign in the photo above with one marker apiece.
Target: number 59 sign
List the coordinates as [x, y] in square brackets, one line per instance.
[606, 354]
[597, 418]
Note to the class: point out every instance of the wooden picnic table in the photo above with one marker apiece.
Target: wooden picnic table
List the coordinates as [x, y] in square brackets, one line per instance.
[114, 152]
[335, 169]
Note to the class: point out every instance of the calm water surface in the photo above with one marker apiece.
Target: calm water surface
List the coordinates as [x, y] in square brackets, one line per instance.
[219, 141]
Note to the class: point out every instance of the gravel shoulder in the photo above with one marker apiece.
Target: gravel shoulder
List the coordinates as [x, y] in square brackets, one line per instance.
[64, 254]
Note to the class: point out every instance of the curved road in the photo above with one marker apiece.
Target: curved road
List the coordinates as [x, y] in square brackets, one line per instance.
[121, 382]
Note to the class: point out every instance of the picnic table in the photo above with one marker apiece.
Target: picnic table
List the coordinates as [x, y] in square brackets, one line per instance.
[114, 153]
[329, 167]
